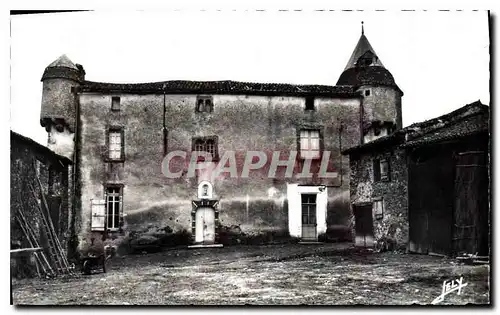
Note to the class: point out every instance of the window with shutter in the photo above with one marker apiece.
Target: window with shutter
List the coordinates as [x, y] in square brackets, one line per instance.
[309, 144]
[98, 213]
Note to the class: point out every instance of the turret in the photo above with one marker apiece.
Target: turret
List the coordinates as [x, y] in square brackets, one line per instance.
[381, 98]
[59, 102]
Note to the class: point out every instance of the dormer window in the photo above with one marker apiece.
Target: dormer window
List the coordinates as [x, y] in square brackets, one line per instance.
[366, 60]
[204, 104]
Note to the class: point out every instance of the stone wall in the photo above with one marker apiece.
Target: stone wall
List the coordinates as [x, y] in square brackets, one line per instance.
[26, 162]
[383, 104]
[255, 205]
[394, 224]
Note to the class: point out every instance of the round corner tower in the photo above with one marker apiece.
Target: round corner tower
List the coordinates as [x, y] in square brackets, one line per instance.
[61, 80]
[381, 108]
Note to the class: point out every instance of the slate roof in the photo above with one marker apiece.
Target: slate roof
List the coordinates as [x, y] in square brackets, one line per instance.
[371, 75]
[63, 61]
[221, 87]
[361, 48]
[358, 75]
[467, 120]
[471, 125]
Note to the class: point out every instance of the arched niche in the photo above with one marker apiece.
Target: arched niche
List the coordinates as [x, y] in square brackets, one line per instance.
[205, 190]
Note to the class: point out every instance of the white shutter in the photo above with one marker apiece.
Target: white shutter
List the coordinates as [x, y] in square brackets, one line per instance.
[98, 220]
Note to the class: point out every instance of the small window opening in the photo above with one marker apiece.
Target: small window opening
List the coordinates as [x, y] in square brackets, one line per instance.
[115, 103]
[378, 207]
[204, 104]
[367, 92]
[376, 170]
[384, 170]
[310, 103]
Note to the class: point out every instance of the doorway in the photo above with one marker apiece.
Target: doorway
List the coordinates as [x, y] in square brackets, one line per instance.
[309, 224]
[205, 225]
[364, 225]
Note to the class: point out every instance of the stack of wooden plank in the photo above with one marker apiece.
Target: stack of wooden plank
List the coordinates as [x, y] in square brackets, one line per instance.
[474, 259]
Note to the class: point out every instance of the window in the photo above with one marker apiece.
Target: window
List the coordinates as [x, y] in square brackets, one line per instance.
[376, 170]
[206, 144]
[366, 59]
[381, 170]
[367, 92]
[204, 104]
[378, 208]
[384, 170]
[365, 62]
[308, 208]
[115, 103]
[114, 196]
[116, 144]
[309, 144]
[310, 103]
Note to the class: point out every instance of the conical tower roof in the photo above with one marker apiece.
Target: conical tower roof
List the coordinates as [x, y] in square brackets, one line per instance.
[365, 68]
[63, 61]
[64, 68]
[362, 47]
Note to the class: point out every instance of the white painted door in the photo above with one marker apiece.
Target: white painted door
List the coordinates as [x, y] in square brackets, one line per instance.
[205, 225]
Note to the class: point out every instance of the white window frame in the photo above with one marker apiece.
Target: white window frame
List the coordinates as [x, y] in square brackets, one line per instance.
[115, 144]
[378, 208]
[117, 207]
[310, 143]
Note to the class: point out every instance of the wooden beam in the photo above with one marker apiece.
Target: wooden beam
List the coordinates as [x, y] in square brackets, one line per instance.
[19, 251]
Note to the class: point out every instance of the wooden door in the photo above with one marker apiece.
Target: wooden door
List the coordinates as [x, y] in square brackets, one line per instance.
[205, 225]
[309, 224]
[431, 200]
[363, 220]
[471, 203]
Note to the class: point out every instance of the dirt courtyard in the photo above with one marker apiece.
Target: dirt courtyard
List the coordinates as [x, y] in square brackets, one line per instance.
[327, 274]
